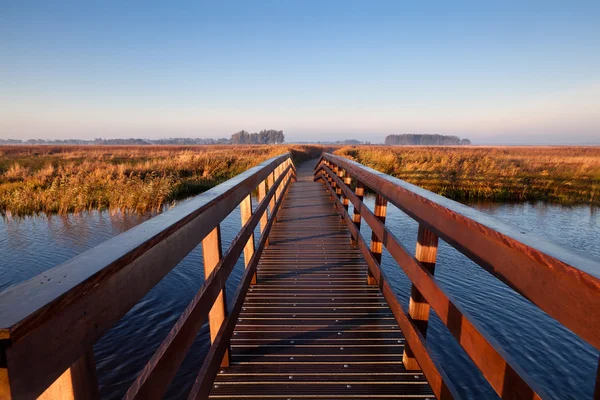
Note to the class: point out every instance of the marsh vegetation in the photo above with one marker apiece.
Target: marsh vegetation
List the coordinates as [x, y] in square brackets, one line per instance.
[566, 175]
[64, 179]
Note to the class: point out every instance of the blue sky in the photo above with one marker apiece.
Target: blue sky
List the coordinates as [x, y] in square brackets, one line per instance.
[495, 72]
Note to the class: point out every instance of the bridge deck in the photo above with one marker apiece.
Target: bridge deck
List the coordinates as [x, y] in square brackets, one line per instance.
[312, 327]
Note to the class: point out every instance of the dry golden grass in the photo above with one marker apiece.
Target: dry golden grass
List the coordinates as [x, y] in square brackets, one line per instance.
[565, 175]
[64, 179]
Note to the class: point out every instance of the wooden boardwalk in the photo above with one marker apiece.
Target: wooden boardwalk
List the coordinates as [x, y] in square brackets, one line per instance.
[312, 327]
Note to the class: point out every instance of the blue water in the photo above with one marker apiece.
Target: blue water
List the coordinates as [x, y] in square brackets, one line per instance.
[560, 362]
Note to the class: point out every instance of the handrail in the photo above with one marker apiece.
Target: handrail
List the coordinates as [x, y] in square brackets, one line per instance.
[49, 323]
[540, 271]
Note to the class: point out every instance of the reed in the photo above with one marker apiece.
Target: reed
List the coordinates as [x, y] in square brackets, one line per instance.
[66, 179]
[566, 175]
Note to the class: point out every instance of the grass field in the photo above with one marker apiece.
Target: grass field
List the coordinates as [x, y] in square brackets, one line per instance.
[566, 175]
[64, 179]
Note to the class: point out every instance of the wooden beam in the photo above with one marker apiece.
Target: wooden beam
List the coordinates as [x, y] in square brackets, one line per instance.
[77, 383]
[212, 253]
[246, 214]
[418, 308]
[376, 247]
[359, 191]
[270, 181]
[347, 181]
[262, 191]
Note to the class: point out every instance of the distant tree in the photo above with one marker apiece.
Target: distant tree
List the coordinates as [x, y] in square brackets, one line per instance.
[267, 136]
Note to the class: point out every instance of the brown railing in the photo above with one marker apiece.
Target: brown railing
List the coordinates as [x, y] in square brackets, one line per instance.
[562, 284]
[49, 323]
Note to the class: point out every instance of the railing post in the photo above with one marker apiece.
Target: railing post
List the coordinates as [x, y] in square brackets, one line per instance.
[342, 175]
[212, 254]
[359, 192]
[246, 213]
[270, 183]
[347, 182]
[418, 308]
[262, 192]
[376, 242]
[330, 179]
[76, 383]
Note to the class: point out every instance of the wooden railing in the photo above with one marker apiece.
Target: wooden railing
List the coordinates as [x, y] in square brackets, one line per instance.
[49, 323]
[564, 285]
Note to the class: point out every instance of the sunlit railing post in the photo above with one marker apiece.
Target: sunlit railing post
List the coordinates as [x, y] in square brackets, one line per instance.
[270, 183]
[342, 175]
[347, 182]
[212, 254]
[246, 214]
[359, 191]
[376, 242]
[76, 383]
[418, 308]
[262, 192]
[330, 178]
[332, 181]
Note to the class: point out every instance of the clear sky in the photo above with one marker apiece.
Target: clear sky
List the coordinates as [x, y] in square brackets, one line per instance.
[492, 71]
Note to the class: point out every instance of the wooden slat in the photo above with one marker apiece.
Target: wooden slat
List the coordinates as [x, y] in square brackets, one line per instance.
[359, 192]
[262, 191]
[212, 254]
[246, 214]
[376, 247]
[418, 308]
[563, 284]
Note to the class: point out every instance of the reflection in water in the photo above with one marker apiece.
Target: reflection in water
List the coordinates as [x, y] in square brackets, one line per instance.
[32, 245]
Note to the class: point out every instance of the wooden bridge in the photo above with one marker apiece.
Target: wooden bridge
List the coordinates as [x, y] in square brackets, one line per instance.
[314, 316]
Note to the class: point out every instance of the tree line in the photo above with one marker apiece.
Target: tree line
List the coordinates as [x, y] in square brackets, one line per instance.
[425, 139]
[267, 136]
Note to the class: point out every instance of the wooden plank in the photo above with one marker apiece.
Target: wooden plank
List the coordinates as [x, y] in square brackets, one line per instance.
[359, 192]
[246, 214]
[53, 318]
[563, 284]
[77, 383]
[498, 367]
[270, 183]
[212, 254]
[262, 190]
[376, 248]
[418, 308]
